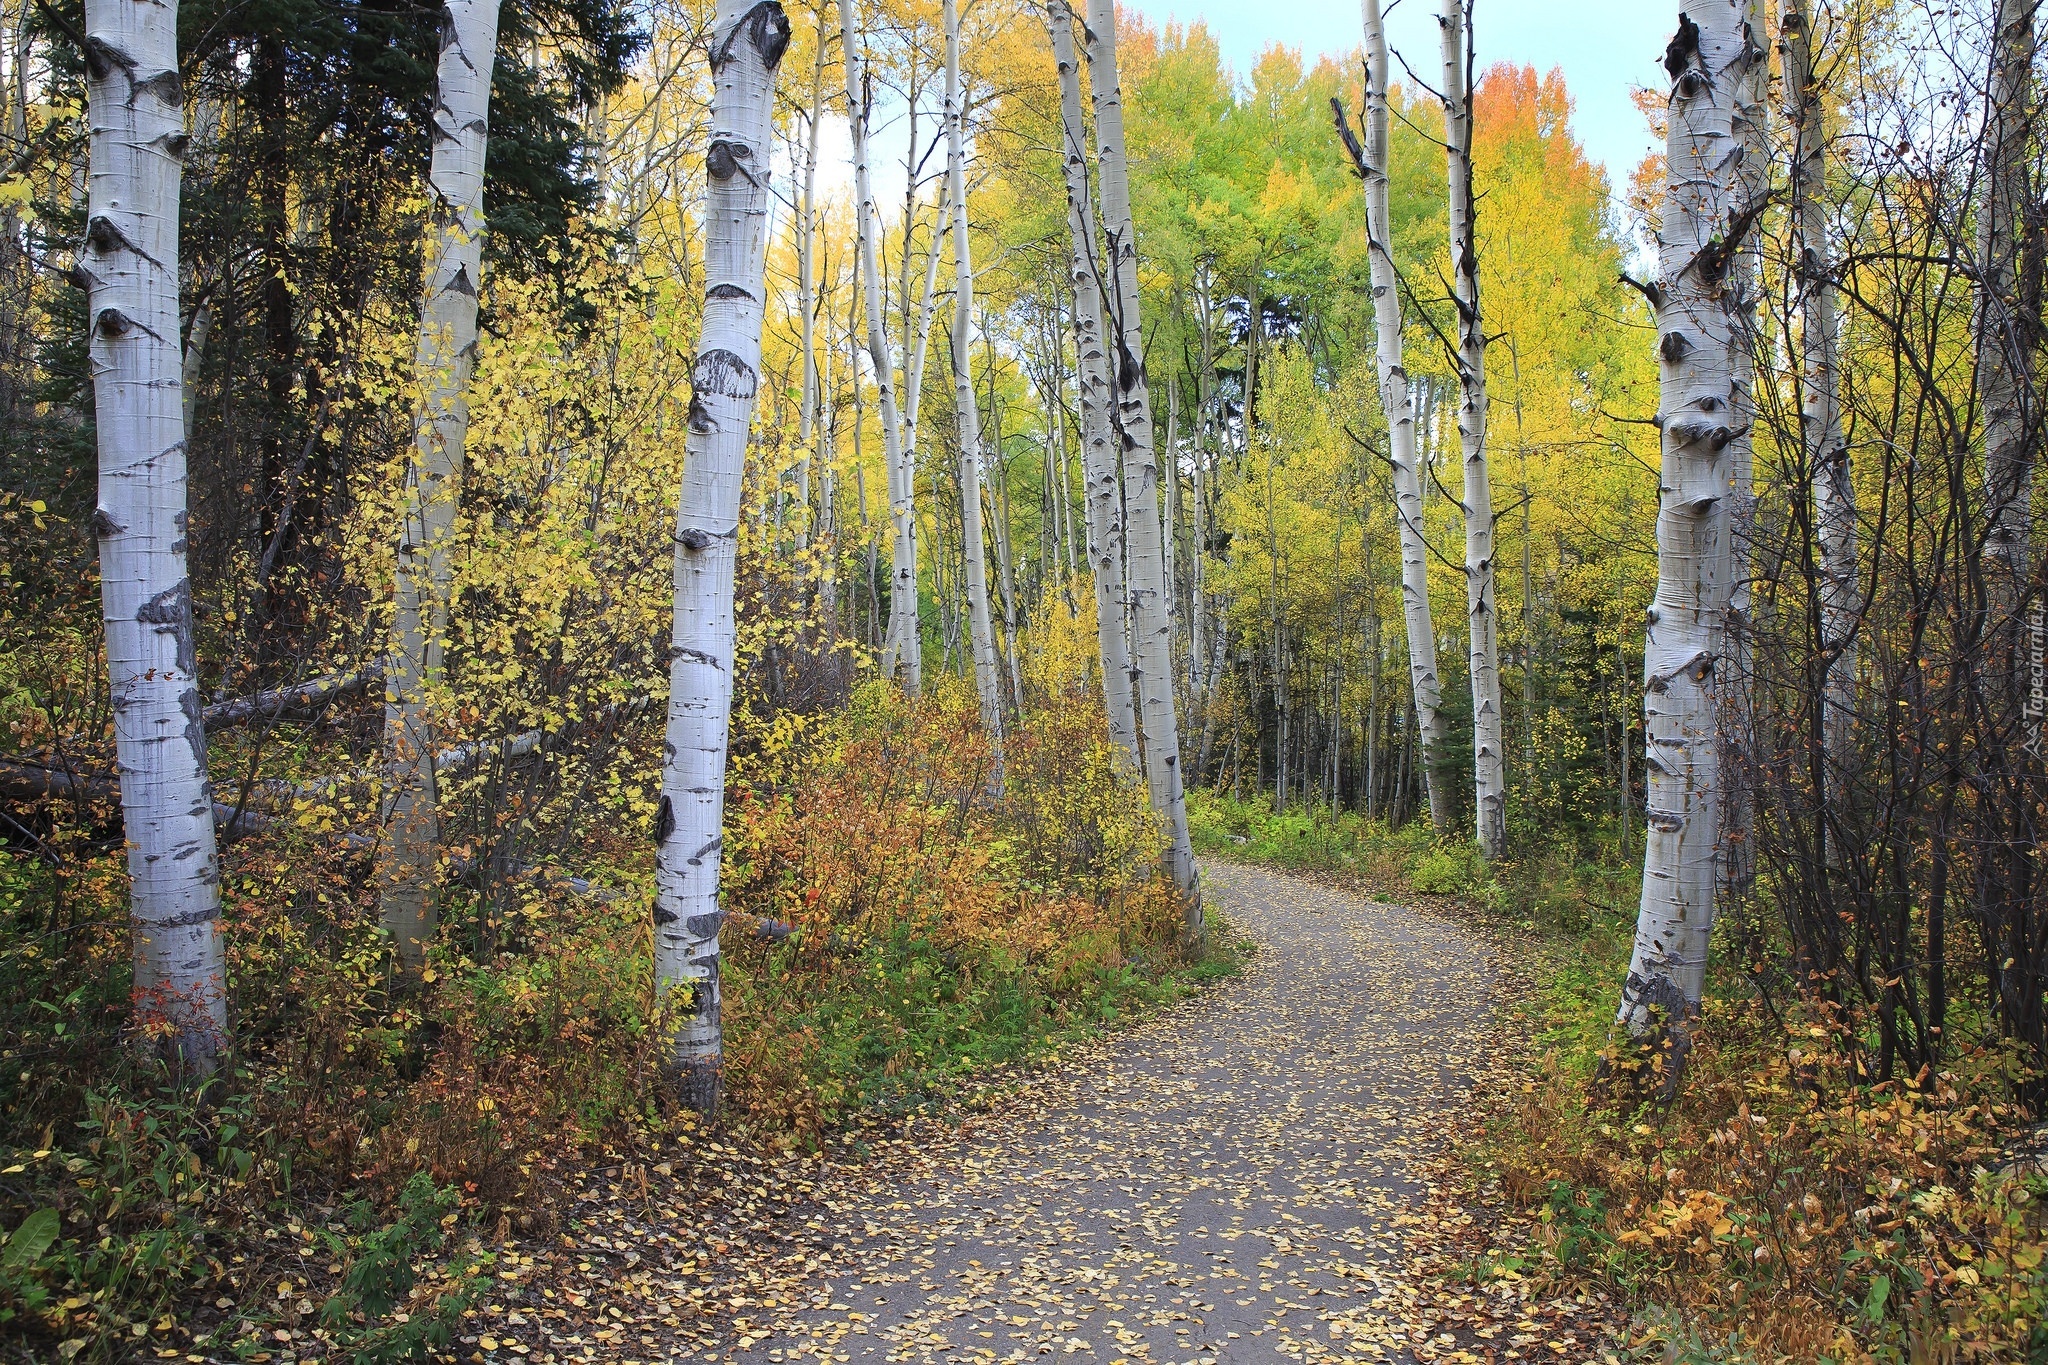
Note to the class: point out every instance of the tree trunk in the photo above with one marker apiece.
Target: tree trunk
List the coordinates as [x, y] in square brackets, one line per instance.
[988, 685]
[1399, 405]
[444, 359]
[746, 46]
[129, 259]
[1151, 625]
[1103, 500]
[1700, 410]
[806, 266]
[1489, 762]
[2008, 323]
[905, 646]
[1827, 454]
[1745, 291]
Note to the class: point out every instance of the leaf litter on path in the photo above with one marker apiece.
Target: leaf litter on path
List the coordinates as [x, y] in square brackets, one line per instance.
[1263, 1172]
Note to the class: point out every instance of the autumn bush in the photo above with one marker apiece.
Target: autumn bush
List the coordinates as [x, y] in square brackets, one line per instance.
[1788, 1204]
[904, 919]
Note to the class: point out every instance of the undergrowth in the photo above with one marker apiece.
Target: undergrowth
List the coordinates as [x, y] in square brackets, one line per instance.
[901, 929]
[1794, 1203]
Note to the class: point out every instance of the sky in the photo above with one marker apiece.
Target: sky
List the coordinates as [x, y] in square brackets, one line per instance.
[1606, 47]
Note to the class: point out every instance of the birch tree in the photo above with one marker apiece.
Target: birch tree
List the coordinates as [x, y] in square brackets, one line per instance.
[745, 49]
[444, 358]
[981, 634]
[2007, 327]
[1700, 409]
[129, 265]
[1399, 405]
[1102, 498]
[1151, 622]
[1489, 761]
[905, 641]
[1820, 415]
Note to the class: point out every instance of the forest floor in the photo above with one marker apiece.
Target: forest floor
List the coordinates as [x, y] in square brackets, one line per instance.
[1267, 1171]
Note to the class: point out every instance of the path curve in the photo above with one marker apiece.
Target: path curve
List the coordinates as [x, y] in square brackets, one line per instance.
[1226, 1183]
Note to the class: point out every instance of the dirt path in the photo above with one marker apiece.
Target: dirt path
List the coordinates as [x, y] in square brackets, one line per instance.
[1228, 1182]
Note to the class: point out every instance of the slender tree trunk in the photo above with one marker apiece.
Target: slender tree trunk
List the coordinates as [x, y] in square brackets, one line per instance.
[746, 43]
[444, 360]
[1006, 578]
[1103, 499]
[129, 260]
[1151, 625]
[905, 645]
[1489, 762]
[1827, 453]
[1745, 291]
[1170, 529]
[988, 685]
[2008, 323]
[1205, 432]
[806, 266]
[1699, 413]
[1399, 405]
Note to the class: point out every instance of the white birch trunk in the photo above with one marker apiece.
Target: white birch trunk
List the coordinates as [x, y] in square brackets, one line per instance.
[129, 261]
[1102, 499]
[1151, 622]
[1399, 403]
[905, 641]
[806, 263]
[443, 360]
[2006, 337]
[746, 46]
[980, 633]
[1700, 411]
[1489, 760]
[1745, 292]
[1820, 418]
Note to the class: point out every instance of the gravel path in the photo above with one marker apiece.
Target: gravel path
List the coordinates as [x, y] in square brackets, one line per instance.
[1228, 1182]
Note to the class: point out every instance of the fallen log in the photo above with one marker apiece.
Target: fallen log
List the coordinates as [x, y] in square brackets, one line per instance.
[299, 701]
[26, 780]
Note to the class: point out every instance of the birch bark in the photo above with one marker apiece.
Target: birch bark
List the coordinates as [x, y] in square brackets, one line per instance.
[1151, 623]
[1700, 410]
[1820, 418]
[1102, 500]
[129, 260]
[979, 631]
[2007, 326]
[1489, 761]
[905, 647]
[1745, 292]
[443, 360]
[746, 46]
[1399, 405]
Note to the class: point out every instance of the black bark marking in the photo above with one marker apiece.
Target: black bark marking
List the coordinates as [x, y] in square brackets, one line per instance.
[115, 323]
[664, 822]
[722, 162]
[165, 85]
[195, 714]
[1683, 47]
[104, 525]
[705, 926]
[187, 921]
[663, 917]
[723, 373]
[766, 29]
[727, 291]
[170, 611]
